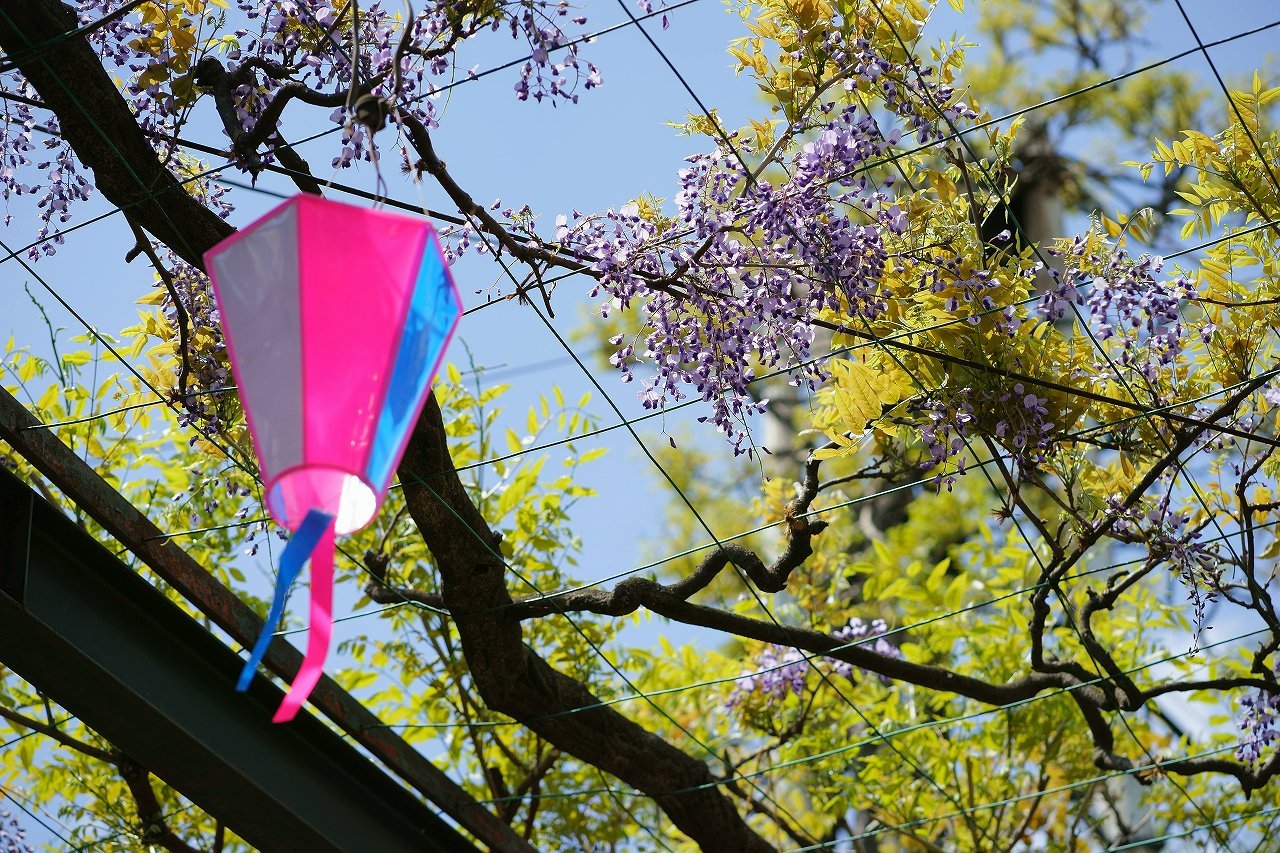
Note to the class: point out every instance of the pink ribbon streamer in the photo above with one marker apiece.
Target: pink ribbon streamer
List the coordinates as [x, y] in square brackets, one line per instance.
[320, 632]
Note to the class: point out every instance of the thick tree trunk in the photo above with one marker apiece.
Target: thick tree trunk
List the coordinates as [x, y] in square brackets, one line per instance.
[98, 124]
[516, 681]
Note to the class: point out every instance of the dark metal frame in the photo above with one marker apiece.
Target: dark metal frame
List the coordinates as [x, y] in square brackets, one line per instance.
[111, 649]
[135, 532]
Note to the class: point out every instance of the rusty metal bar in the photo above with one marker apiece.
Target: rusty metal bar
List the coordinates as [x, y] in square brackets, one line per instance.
[103, 643]
[136, 532]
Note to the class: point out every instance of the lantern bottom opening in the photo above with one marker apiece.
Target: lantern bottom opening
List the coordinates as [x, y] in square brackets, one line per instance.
[345, 496]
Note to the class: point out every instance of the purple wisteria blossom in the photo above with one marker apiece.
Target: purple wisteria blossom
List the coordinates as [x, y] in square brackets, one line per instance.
[944, 429]
[1172, 539]
[1129, 307]
[1259, 725]
[782, 670]
[285, 36]
[1014, 416]
[864, 634]
[13, 838]
[736, 280]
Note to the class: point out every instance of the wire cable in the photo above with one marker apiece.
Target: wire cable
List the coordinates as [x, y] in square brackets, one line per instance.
[1257, 149]
[1235, 108]
[8, 792]
[813, 656]
[854, 746]
[619, 425]
[599, 652]
[1065, 603]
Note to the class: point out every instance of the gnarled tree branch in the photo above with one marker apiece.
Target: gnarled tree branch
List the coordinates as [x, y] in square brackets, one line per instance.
[102, 131]
[153, 827]
[515, 681]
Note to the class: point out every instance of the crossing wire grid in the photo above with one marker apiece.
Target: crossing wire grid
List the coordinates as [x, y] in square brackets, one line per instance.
[1212, 829]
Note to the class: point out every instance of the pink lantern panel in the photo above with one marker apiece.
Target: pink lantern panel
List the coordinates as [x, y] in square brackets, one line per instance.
[323, 302]
[336, 318]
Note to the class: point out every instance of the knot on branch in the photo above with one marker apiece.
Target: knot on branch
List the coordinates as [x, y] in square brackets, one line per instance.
[371, 111]
[630, 594]
[209, 73]
[377, 562]
[799, 525]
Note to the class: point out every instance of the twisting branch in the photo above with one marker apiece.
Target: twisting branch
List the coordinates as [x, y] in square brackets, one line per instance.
[371, 109]
[152, 826]
[1053, 573]
[102, 130]
[1129, 697]
[633, 593]
[514, 680]
[531, 252]
[154, 829]
[53, 732]
[532, 778]
[381, 591]
[298, 170]
[1250, 778]
[211, 75]
[143, 246]
[672, 602]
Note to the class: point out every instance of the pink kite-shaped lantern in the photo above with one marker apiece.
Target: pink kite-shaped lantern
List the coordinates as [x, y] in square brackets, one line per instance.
[336, 318]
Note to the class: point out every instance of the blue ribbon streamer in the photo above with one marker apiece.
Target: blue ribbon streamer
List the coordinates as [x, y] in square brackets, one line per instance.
[292, 559]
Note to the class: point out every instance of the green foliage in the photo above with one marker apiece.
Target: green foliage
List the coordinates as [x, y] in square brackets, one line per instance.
[405, 660]
[837, 748]
[953, 582]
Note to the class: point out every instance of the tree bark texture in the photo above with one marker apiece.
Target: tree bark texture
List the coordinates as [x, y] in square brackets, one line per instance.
[96, 121]
[514, 680]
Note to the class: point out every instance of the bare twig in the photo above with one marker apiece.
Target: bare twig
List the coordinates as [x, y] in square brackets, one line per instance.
[143, 246]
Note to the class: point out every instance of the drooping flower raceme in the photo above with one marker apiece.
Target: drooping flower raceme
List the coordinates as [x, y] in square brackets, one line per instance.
[13, 838]
[1128, 304]
[781, 670]
[738, 279]
[281, 41]
[1259, 725]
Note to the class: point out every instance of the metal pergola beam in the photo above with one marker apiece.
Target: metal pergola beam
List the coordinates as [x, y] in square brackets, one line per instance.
[111, 649]
[64, 469]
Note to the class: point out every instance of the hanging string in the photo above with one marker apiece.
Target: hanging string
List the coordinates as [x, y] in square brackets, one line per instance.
[321, 626]
[312, 540]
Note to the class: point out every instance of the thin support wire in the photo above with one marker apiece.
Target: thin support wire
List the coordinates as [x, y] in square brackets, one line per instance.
[810, 657]
[847, 748]
[684, 498]
[1262, 158]
[567, 617]
[1235, 108]
[1065, 603]
[1020, 798]
[8, 792]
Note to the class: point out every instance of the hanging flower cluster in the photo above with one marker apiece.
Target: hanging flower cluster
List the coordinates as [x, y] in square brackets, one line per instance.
[13, 838]
[1172, 539]
[279, 41]
[781, 670]
[63, 184]
[1013, 415]
[1258, 724]
[1128, 304]
[944, 429]
[735, 281]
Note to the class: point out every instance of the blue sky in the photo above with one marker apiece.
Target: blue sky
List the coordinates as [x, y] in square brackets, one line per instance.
[602, 152]
[610, 147]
